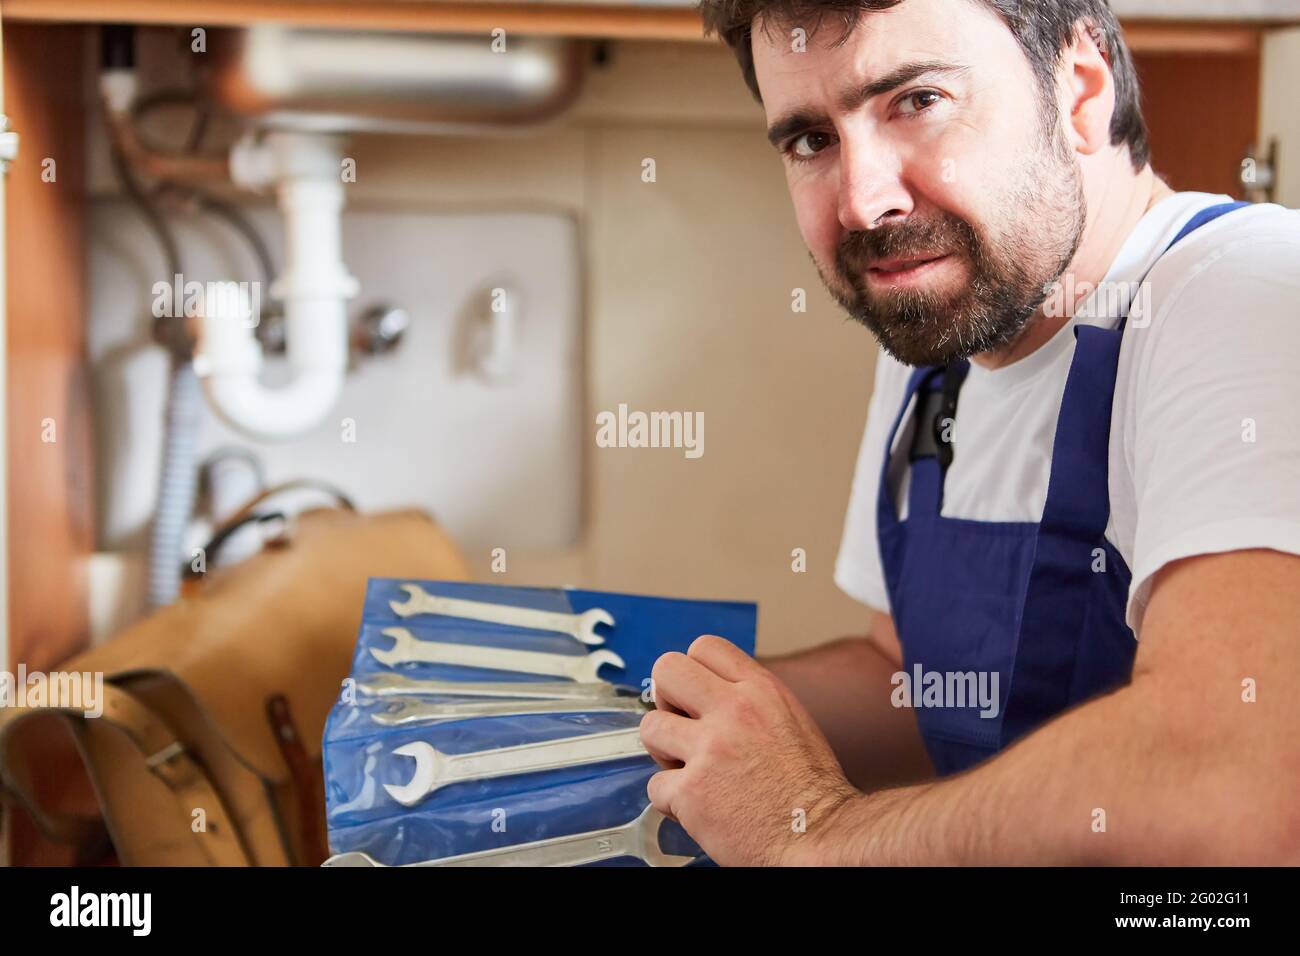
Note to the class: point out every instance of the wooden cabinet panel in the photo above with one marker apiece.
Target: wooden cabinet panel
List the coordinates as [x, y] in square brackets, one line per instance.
[49, 481]
[599, 19]
[1202, 111]
[575, 19]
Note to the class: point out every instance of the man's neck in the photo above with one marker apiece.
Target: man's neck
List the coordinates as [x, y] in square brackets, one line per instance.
[1121, 206]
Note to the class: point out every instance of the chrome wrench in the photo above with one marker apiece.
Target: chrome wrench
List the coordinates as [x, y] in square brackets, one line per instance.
[578, 667]
[637, 838]
[435, 769]
[580, 626]
[417, 711]
[385, 685]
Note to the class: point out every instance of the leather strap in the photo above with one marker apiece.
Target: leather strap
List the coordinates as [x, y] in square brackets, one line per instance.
[162, 754]
[311, 814]
[65, 828]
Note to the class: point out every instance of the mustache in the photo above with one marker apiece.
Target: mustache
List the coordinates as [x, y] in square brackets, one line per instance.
[946, 235]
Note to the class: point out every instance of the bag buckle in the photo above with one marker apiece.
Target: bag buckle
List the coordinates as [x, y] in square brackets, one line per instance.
[165, 756]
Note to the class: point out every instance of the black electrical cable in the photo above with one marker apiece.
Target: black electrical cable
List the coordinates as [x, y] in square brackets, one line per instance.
[153, 217]
[240, 224]
[117, 52]
[163, 98]
[205, 200]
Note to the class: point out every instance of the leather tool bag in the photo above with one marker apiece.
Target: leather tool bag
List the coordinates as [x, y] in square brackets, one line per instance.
[209, 747]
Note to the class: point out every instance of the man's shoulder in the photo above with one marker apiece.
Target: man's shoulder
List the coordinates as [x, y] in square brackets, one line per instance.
[1217, 308]
[1257, 240]
[1259, 219]
[1242, 267]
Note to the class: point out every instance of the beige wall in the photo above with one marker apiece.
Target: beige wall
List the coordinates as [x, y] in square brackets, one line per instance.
[690, 307]
[690, 285]
[688, 295]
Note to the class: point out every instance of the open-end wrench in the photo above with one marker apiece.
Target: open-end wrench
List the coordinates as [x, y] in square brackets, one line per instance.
[581, 626]
[638, 838]
[425, 711]
[579, 667]
[435, 769]
[387, 685]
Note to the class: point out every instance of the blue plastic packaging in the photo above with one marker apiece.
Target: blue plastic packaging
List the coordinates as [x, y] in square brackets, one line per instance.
[482, 814]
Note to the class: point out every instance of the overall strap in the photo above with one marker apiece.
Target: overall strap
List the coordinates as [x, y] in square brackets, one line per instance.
[1202, 218]
[1073, 527]
[921, 382]
[936, 389]
[932, 440]
[1074, 523]
[1078, 497]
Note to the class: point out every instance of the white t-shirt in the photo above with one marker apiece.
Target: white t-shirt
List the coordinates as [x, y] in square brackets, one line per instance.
[1205, 430]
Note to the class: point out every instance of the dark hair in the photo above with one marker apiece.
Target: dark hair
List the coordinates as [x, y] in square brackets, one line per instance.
[1042, 27]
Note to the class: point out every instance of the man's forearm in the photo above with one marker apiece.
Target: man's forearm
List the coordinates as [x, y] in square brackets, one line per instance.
[845, 685]
[1146, 775]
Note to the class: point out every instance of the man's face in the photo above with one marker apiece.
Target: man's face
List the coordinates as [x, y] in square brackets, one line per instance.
[932, 181]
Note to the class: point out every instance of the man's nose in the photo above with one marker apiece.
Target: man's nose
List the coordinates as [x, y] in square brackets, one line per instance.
[872, 191]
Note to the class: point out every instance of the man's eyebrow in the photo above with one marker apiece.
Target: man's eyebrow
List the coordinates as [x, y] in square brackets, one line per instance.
[802, 118]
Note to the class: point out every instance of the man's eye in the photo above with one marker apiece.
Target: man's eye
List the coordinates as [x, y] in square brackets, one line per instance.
[918, 102]
[809, 145]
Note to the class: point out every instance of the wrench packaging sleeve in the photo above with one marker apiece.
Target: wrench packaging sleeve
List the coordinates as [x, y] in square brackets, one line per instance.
[410, 631]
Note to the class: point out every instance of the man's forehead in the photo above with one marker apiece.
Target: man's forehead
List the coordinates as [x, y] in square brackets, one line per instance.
[786, 60]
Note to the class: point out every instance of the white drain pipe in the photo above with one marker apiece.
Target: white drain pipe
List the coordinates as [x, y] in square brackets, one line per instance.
[306, 171]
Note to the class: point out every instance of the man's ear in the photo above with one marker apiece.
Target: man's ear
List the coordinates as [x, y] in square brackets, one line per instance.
[1088, 88]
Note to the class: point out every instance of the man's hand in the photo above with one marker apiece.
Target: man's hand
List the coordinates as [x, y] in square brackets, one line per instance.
[746, 770]
[847, 686]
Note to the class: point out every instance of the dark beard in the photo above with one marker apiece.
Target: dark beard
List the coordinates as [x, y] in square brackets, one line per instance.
[1010, 278]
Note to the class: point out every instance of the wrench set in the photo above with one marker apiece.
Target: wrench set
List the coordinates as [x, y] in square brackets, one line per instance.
[491, 726]
[637, 838]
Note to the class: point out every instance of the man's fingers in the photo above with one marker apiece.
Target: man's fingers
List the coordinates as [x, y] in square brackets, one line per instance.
[664, 761]
[662, 745]
[684, 685]
[723, 658]
[662, 790]
[669, 736]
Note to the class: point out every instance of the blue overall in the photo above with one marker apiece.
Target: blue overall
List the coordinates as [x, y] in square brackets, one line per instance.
[1042, 605]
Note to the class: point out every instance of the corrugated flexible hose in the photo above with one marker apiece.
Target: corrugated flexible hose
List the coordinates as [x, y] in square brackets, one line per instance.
[177, 484]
